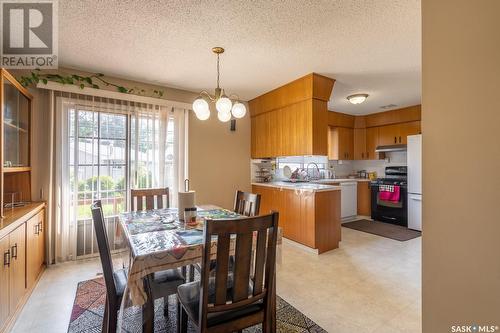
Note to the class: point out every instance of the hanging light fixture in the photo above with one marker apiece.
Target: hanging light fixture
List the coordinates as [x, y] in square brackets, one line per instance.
[225, 107]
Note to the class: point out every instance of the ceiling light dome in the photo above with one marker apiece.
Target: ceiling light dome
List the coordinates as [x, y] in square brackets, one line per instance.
[239, 110]
[357, 98]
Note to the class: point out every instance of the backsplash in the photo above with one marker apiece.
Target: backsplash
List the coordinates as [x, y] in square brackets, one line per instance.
[344, 168]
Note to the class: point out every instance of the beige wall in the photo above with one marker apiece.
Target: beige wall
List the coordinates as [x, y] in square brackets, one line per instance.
[461, 163]
[219, 159]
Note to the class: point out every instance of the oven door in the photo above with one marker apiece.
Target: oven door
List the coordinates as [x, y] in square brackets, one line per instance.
[390, 212]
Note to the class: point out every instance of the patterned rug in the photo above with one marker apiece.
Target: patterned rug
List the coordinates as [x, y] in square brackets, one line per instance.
[88, 311]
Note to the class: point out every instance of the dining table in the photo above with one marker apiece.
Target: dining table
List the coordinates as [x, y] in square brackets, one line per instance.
[158, 240]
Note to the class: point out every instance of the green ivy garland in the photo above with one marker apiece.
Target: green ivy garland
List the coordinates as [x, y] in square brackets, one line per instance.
[91, 81]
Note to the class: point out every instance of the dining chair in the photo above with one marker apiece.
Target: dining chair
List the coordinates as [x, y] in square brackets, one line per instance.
[233, 300]
[153, 197]
[159, 285]
[246, 203]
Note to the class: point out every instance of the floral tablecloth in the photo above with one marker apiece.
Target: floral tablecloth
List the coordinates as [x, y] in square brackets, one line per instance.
[159, 241]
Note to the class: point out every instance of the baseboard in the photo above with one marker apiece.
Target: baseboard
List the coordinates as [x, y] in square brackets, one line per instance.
[300, 246]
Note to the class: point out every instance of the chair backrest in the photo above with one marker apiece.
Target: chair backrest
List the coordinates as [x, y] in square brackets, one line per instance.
[152, 196]
[261, 229]
[104, 251]
[247, 204]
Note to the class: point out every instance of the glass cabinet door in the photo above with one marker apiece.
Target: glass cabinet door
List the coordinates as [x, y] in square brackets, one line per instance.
[16, 124]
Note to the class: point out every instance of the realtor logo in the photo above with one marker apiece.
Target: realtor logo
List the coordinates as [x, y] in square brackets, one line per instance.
[29, 34]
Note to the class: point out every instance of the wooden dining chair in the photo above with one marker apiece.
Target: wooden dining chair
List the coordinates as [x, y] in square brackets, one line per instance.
[159, 285]
[246, 203]
[153, 197]
[233, 300]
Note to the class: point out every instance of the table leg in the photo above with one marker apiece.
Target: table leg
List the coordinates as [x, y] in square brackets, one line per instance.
[148, 315]
[273, 306]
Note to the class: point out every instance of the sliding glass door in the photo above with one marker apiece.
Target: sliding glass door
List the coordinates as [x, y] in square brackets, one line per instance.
[104, 148]
[98, 146]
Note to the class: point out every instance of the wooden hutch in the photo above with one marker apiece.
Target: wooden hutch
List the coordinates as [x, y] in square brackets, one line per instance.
[22, 226]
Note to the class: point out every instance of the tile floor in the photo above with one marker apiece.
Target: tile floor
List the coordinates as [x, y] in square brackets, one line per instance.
[370, 284]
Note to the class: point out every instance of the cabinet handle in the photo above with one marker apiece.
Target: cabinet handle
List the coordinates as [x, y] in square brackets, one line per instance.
[14, 253]
[37, 229]
[6, 258]
[40, 227]
[395, 140]
[399, 139]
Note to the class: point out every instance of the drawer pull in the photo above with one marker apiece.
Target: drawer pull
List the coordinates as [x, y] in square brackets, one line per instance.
[14, 251]
[6, 258]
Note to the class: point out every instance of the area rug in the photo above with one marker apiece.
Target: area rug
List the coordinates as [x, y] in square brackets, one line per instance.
[387, 230]
[88, 310]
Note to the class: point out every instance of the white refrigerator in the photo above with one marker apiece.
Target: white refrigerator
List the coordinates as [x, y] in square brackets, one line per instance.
[414, 156]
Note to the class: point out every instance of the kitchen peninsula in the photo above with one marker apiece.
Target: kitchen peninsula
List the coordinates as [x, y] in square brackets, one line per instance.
[309, 213]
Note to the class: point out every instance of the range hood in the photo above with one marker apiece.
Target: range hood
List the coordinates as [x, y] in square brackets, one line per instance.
[388, 148]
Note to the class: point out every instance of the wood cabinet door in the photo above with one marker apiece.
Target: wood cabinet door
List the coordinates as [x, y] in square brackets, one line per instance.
[307, 222]
[334, 143]
[32, 251]
[292, 207]
[409, 128]
[389, 135]
[360, 144]
[348, 143]
[17, 266]
[4, 280]
[364, 199]
[371, 143]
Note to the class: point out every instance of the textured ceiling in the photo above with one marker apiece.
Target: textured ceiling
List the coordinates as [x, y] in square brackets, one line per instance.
[367, 46]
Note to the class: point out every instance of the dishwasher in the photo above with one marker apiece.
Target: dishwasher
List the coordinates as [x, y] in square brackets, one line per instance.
[348, 200]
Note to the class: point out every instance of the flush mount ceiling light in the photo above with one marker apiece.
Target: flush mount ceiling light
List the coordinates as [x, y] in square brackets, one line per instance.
[225, 107]
[357, 98]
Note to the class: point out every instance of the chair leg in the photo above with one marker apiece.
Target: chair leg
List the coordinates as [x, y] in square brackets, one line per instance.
[105, 319]
[183, 322]
[165, 307]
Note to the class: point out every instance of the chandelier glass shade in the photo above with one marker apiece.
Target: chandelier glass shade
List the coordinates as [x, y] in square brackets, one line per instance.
[225, 107]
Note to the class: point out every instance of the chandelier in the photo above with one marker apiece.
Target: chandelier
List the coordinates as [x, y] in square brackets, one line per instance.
[225, 107]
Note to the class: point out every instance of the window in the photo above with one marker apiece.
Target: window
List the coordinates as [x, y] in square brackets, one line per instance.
[109, 147]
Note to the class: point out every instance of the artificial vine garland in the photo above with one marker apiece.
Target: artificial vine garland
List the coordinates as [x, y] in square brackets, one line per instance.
[91, 81]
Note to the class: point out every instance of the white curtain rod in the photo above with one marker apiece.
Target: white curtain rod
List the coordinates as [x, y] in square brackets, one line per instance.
[112, 94]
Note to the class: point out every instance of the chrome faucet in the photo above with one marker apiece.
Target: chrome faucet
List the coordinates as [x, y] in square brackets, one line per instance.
[317, 169]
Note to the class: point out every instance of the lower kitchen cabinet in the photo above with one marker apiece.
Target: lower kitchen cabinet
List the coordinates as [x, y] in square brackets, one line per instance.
[308, 218]
[22, 245]
[364, 198]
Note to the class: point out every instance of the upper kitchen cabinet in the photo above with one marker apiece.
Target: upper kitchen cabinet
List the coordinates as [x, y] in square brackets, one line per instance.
[396, 134]
[340, 143]
[360, 151]
[293, 119]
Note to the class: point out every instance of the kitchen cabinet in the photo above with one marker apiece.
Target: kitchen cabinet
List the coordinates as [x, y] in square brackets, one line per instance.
[360, 151]
[397, 133]
[364, 198]
[35, 248]
[340, 143]
[372, 143]
[308, 218]
[291, 120]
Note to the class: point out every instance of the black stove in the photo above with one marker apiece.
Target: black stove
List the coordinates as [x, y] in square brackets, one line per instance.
[395, 212]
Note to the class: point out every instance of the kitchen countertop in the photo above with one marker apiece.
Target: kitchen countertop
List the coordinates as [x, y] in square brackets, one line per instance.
[303, 186]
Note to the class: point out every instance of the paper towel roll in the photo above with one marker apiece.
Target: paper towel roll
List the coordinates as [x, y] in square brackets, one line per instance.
[185, 200]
